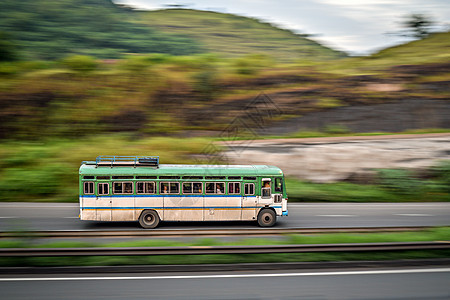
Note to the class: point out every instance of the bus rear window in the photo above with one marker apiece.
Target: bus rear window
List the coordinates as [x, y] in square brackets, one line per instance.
[88, 188]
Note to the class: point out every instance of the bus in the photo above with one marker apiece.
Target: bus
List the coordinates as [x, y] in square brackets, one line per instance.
[138, 188]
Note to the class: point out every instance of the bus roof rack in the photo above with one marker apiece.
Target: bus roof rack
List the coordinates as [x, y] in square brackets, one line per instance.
[127, 161]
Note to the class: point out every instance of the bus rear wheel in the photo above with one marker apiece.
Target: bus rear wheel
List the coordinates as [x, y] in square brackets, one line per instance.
[267, 218]
[149, 219]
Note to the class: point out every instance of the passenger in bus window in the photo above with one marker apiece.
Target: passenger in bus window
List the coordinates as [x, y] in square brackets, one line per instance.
[220, 188]
[266, 189]
[165, 189]
[198, 188]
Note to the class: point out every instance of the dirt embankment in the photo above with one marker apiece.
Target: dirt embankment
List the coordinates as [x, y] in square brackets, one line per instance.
[343, 158]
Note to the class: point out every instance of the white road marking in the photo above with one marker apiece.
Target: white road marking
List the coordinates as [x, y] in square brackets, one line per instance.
[369, 272]
[414, 215]
[8, 217]
[336, 216]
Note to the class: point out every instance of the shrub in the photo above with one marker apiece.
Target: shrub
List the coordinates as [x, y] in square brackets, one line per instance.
[399, 181]
[80, 63]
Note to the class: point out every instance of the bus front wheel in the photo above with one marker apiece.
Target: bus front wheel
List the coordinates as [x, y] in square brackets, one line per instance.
[267, 218]
[149, 219]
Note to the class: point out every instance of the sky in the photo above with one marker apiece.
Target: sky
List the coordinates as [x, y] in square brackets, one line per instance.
[358, 27]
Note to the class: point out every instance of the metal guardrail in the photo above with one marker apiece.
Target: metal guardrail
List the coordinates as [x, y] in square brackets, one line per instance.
[199, 232]
[211, 250]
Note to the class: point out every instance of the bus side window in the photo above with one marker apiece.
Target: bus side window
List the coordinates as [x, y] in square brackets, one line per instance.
[174, 188]
[103, 188]
[88, 188]
[145, 187]
[197, 188]
[164, 188]
[192, 187]
[215, 188]
[220, 188]
[209, 186]
[278, 185]
[122, 187]
[234, 187]
[249, 189]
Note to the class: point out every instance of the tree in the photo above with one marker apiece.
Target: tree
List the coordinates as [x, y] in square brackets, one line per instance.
[417, 25]
[8, 49]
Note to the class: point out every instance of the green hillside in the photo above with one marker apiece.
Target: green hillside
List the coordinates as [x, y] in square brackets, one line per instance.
[51, 29]
[232, 35]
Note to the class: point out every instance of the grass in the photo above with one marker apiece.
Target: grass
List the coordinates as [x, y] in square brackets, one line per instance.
[421, 190]
[434, 234]
[339, 131]
[50, 169]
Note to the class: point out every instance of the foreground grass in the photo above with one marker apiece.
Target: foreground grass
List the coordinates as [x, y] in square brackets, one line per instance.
[435, 234]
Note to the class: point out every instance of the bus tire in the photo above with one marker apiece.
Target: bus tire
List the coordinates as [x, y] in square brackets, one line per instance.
[267, 218]
[149, 219]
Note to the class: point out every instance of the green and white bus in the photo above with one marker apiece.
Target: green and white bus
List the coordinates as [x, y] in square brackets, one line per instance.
[134, 188]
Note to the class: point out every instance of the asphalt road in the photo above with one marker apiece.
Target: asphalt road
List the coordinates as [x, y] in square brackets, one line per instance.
[411, 284]
[64, 216]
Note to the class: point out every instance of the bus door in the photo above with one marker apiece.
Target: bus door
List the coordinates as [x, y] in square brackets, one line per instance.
[249, 201]
[278, 193]
[103, 202]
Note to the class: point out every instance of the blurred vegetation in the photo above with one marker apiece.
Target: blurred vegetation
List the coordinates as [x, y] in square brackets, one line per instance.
[434, 234]
[47, 170]
[390, 185]
[85, 78]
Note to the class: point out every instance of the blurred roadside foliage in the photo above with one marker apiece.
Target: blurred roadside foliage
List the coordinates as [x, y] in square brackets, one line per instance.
[80, 63]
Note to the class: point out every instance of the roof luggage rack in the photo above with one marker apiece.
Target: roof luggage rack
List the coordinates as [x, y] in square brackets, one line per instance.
[127, 161]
